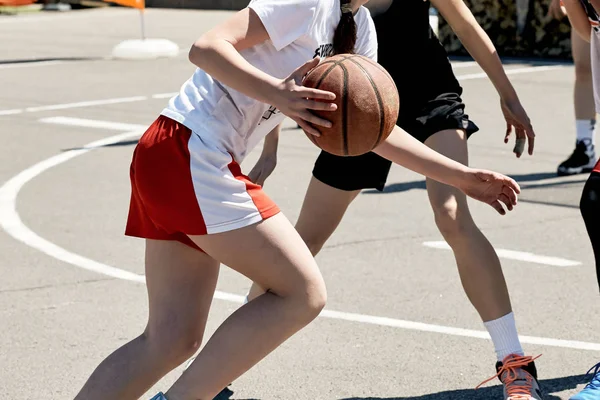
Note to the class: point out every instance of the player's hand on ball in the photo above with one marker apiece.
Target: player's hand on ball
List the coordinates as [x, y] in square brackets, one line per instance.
[263, 169]
[517, 120]
[297, 101]
[491, 188]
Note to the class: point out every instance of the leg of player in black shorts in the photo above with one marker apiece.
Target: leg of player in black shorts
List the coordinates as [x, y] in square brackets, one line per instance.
[433, 112]
[337, 181]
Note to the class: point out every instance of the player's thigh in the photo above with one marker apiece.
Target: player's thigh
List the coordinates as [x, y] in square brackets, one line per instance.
[452, 143]
[323, 208]
[335, 184]
[181, 282]
[270, 253]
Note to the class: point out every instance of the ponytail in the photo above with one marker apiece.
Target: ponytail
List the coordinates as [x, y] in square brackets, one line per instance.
[344, 38]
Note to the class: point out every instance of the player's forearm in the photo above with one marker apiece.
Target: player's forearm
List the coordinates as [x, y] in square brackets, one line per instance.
[223, 62]
[272, 141]
[478, 44]
[578, 18]
[402, 149]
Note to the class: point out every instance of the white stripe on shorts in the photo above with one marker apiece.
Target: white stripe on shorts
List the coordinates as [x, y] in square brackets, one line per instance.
[224, 201]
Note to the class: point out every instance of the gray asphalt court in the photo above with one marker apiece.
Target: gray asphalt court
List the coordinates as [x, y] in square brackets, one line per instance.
[397, 325]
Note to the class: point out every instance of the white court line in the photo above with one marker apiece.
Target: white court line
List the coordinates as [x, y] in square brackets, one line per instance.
[11, 222]
[464, 64]
[92, 123]
[10, 112]
[514, 71]
[65, 106]
[33, 63]
[13, 225]
[516, 255]
[164, 95]
[92, 103]
[30, 64]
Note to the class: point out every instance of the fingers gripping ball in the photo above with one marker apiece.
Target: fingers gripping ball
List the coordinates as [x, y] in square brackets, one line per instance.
[367, 104]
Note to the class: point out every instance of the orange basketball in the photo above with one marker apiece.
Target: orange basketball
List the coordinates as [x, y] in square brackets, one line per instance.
[367, 104]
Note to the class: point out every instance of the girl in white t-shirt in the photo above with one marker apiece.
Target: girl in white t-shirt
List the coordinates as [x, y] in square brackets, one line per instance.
[196, 209]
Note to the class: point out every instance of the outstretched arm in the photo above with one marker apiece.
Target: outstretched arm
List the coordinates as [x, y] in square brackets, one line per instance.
[486, 186]
[481, 48]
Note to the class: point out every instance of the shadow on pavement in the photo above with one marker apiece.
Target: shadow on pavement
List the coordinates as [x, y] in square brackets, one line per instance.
[488, 393]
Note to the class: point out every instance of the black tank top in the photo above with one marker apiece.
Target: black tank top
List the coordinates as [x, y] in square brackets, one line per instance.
[412, 54]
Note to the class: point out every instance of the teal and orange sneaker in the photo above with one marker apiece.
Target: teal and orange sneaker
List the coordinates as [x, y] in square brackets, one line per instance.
[518, 374]
[592, 389]
[159, 396]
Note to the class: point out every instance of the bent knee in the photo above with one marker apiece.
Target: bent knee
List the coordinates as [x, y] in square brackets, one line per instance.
[317, 297]
[173, 344]
[453, 220]
[308, 297]
[312, 297]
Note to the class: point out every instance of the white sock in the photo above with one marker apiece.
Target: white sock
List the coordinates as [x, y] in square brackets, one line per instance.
[504, 336]
[585, 130]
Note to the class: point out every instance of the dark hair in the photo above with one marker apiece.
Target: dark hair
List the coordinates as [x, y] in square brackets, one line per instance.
[344, 38]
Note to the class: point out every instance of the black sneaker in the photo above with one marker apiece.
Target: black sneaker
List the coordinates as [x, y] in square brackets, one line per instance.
[581, 161]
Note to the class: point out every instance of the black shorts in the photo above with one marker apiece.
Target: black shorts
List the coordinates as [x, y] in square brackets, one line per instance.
[370, 171]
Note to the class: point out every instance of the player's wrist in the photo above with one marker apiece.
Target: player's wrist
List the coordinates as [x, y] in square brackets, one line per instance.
[269, 90]
[463, 177]
[508, 94]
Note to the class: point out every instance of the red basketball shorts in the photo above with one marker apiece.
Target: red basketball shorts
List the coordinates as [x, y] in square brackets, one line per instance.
[182, 185]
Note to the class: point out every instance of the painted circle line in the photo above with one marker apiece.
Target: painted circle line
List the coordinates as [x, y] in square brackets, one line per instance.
[14, 226]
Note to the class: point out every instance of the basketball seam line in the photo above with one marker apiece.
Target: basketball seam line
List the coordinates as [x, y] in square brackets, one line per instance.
[312, 137]
[375, 64]
[336, 62]
[345, 109]
[379, 101]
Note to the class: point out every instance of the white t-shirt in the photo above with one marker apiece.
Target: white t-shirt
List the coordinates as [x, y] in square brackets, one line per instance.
[298, 31]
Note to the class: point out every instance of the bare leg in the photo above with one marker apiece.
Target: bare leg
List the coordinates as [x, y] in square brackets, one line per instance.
[478, 264]
[181, 283]
[322, 211]
[583, 157]
[583, 95]
[272, 254]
